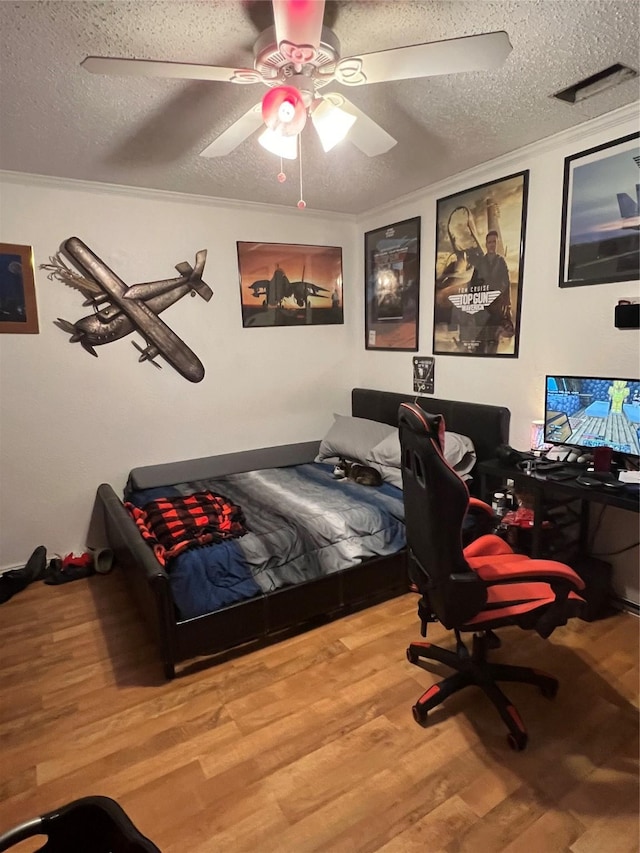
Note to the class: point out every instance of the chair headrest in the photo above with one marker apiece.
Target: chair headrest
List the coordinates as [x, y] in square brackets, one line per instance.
[422, 423]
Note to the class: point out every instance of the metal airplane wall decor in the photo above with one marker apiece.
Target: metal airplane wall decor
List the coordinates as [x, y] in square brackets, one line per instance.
[127, 309]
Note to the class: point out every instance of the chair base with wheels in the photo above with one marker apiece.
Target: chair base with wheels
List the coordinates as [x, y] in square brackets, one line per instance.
[473, 669]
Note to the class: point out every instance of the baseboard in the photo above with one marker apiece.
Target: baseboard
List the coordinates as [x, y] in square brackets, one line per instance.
[11, 569]
[626, 605]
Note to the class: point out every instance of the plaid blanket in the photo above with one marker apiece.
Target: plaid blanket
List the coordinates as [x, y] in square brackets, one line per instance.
[171, 525]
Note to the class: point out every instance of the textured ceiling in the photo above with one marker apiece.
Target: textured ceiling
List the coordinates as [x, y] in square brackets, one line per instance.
[59, 120]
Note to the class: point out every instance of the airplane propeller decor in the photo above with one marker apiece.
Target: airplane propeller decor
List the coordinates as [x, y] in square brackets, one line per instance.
[300, 57]
[119, 310]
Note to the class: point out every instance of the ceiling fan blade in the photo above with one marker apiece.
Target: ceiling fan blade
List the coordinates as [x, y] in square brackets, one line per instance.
[298, 22]
[237, 133]
[469, 53]
[366, 134]
[177, 70]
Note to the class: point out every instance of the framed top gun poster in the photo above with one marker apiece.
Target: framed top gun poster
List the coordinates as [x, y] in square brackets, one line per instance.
[479, 265]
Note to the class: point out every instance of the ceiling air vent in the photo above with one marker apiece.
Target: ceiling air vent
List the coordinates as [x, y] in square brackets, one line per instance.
[606, 79]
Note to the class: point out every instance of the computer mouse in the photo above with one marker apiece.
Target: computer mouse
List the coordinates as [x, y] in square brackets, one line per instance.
[586, 457]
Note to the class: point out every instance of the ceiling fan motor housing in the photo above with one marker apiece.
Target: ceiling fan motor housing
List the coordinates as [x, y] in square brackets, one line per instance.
[276, 69]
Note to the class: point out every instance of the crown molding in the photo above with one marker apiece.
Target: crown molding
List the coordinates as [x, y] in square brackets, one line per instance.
[616, 120]
[612, 121]
[27, 179]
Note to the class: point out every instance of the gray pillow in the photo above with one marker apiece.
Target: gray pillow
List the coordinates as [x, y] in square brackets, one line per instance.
[352, 438]
[458, 451]
[387, 452]
[389, 474]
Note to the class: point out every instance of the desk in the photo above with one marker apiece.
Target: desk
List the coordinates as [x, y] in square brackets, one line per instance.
[547, 494]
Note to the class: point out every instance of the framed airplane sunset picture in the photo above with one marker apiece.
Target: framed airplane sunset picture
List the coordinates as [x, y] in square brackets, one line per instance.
[289, 284]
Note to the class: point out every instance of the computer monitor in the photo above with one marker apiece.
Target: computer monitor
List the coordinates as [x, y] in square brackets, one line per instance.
[590, 412]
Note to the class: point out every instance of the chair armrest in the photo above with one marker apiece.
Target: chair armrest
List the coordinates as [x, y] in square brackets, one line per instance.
[519, 569]
[476, 503]
[487, 546]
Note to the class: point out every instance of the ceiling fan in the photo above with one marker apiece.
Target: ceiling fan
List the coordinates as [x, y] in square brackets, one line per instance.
[296, 58]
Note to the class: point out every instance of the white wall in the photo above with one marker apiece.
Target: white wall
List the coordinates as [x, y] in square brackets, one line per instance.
[69, 422]
[563, 330]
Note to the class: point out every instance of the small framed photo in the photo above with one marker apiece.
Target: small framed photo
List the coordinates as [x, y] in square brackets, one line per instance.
[392, 286]
[600, 234]
[423, 374]
[18, 310]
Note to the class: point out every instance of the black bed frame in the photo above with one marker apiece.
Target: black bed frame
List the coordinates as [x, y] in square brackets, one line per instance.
[264, 616]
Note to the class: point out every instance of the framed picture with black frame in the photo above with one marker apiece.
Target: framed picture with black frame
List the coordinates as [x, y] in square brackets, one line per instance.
[392, 286]
[290, 284]
[18, 309]
[480, 237]
[600, 231]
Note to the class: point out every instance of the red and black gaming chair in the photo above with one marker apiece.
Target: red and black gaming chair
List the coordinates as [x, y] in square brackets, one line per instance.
[475, 589]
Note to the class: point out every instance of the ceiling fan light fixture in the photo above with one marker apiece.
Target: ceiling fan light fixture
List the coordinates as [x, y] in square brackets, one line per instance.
[284, 111]
[331, 123]
[281, 146]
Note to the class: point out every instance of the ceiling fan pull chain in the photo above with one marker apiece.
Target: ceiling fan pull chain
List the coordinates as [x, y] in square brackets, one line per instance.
[281, 175]
[302, 203]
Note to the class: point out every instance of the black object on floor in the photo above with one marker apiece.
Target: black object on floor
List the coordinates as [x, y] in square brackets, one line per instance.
[16, 580]
[58, 573]
[89, 825]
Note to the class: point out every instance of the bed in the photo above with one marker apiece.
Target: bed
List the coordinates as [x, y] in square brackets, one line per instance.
[280, 594]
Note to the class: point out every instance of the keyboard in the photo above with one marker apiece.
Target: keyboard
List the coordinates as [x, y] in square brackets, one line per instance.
[560, 474]
[543, 466]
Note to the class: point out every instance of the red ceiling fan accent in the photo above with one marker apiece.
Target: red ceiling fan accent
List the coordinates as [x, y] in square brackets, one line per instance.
[283, 111]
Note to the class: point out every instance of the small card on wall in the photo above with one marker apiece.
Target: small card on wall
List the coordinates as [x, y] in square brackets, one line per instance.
[423, 370]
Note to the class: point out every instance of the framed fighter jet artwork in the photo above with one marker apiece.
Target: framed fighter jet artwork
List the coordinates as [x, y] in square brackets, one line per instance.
[480, 237]
[18, 309]
[600, 233]
[290, 284]
[392, 286]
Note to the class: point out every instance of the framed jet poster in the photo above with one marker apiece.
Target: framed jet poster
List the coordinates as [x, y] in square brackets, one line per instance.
[600, 234]
[288, 284]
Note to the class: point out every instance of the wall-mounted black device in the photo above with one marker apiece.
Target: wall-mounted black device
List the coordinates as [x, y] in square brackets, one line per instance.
[628, 316]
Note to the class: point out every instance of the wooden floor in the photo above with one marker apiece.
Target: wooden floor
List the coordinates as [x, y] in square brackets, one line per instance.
[309, 744]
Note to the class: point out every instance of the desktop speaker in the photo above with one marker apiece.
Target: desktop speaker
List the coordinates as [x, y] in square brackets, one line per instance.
[628, 316]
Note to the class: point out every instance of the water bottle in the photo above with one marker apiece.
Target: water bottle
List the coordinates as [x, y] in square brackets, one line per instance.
[499, 504]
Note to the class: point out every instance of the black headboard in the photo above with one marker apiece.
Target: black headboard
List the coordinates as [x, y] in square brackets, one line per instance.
[487, 426]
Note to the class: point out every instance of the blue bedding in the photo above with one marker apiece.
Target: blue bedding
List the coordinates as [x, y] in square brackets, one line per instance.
[303, 524]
